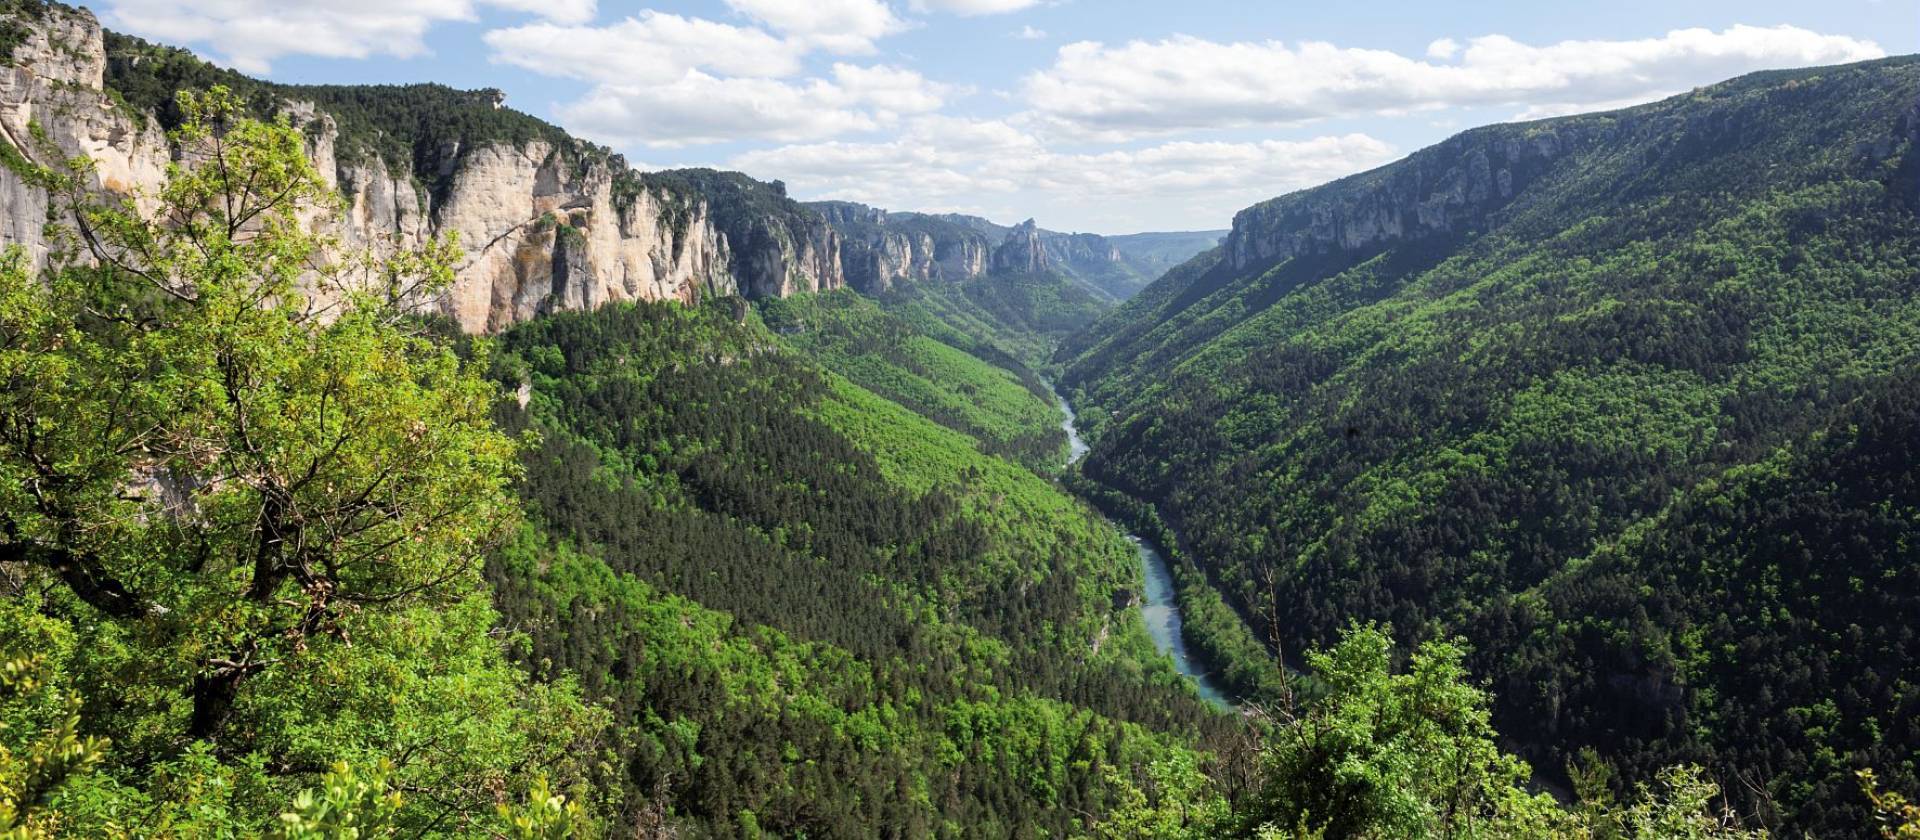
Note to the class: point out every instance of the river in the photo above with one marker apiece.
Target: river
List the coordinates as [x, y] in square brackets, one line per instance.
[1158, 605]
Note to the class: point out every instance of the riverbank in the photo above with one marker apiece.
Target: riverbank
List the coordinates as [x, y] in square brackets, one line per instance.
[1187, 619]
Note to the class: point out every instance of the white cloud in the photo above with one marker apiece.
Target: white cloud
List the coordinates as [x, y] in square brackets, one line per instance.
[891, 90]
[1443, 49]
[973, 7]
[702, 108]
[654, 48]
[840, 26]
[250, 34]
[665, 80]
[1028, 33]
[946, 163]
[563, 11]
[1147, 87]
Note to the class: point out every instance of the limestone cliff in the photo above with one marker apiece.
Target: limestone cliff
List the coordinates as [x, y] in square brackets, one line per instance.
[1022, 251]
[884, 249]
[50, 89]
[1453, 187]
[544, 221]
[881, 250]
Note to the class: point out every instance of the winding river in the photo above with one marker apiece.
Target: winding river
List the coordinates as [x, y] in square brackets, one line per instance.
[1158, 605]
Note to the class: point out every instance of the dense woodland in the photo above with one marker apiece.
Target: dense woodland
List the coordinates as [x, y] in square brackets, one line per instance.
[1640, 432]
[1591, 515]
[967, 385]
[1024, 316]
[726, 591]
[938, 632]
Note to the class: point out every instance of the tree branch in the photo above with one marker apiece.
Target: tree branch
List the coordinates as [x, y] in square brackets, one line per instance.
[83, 574]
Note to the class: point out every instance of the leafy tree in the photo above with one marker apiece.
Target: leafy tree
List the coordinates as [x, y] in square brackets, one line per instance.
[352, 804]
[1177, 803]
[1682, 806]
[1899, 818]
[41, 746]
[1387, 754]
[348, 804]
[1409, 753]
[258, 496]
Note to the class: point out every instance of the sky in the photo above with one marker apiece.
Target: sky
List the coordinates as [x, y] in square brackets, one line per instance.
[1107, 116]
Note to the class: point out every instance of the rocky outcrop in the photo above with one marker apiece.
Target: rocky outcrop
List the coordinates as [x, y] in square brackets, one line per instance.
[881, 250]
[1086, 253]
[540, 233]
[884, 249]
[1022, 252]
[1450, 188]
[777, 260]
[50, 93]
[961, 257]
[890, 257]
[542, 225]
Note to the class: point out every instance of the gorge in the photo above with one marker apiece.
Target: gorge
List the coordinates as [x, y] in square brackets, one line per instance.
[1559, 480]
[1159, 603]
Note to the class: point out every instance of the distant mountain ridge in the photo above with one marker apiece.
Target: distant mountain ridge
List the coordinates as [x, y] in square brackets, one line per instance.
[1154, 254]
[884, 248]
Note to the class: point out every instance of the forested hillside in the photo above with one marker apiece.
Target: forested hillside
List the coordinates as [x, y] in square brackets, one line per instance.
[913, 358]
[1624, 399]
[810, 609]
[1023, 315]
[273, 567]
[1560, 481]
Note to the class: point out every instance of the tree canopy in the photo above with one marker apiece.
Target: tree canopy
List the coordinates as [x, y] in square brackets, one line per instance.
[244, 504]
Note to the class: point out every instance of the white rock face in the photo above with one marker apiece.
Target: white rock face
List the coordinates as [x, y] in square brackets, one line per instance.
[878, 256]
[1023, 252]
[54, 84]
[1446, 189]
[538, 231]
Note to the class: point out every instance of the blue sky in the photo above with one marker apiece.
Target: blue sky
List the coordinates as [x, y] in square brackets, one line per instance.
[1111, 116]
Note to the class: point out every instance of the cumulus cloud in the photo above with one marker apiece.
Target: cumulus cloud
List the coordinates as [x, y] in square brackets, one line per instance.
[564, 11]
[250, 34]
[1106, 135]
[653, 48]
[840, 26]
[946, 163]
[891, 90]
[667, 80]
[702, 108]
[1028, 33]
[1145, 87]
[973, 7]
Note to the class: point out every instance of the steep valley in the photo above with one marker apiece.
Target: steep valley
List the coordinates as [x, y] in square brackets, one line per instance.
[1572, 390]
[1559, 480]
[817, 530]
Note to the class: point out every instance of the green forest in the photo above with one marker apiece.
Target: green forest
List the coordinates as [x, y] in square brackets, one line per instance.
[1639, 429]
[937, 627]
[1558, 481]
[645, 570]
[697, 582]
